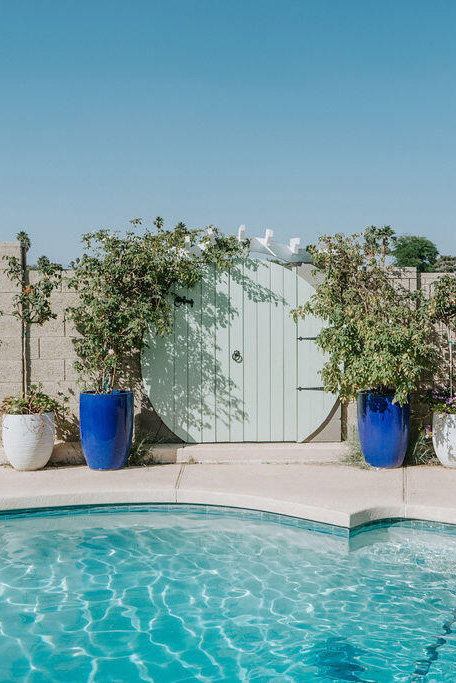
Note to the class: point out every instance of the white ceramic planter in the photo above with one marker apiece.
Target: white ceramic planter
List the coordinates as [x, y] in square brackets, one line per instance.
[28, 440]
[444, 438]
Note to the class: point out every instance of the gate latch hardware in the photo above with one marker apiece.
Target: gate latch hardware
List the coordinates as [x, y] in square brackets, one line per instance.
[310, 388]
[306, 338]
[236, 356]
[179, 300]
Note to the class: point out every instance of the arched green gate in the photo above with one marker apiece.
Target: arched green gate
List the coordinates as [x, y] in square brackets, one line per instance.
[236, 367]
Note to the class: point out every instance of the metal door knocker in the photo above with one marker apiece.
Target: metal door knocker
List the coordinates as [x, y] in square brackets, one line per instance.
[182, 300]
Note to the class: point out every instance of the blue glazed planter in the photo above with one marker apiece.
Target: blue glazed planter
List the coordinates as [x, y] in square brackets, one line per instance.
[384, 429]
[106, 424]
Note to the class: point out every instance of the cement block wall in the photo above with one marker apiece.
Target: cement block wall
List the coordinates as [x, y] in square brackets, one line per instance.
[51, 354]
[10, 328]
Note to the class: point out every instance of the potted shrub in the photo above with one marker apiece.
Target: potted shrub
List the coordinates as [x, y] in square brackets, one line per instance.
[441, 399]
[124, 283]
[28, 420]
[32, 304]
[28, 428]
[443, 432]
[378, 338]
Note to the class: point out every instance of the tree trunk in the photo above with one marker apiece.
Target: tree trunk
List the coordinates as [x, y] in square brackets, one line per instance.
[24, 326]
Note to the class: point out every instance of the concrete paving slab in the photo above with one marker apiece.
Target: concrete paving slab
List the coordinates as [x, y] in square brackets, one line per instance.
[430, 493]
[70, 453]
[334, 494]
[331, 493]
[309, 453]
[82, 486]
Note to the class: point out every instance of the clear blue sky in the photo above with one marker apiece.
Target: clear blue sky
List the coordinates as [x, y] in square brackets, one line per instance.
[303, 116]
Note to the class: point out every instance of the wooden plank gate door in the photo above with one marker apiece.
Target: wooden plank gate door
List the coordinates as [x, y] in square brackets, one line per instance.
[236, 367]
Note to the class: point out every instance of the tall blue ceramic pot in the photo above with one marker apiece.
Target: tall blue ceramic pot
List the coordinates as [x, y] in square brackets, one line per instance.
[106, 424]
[384, 429]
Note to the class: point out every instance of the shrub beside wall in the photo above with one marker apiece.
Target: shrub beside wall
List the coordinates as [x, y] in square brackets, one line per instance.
[51, 353]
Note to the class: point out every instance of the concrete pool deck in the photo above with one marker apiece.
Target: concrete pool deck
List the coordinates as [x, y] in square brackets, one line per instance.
[322, 490]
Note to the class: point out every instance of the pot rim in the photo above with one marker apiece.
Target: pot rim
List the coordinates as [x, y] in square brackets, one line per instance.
[376, 393]
[49, 414]
[113, 394]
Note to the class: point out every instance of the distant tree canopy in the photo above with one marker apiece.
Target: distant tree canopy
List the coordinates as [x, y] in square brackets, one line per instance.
[414, 251]
[445, 264]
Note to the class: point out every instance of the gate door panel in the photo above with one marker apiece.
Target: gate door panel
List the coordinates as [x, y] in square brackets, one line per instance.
[236, 367]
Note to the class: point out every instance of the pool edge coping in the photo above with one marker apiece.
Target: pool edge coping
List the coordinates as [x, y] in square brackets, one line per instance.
[247, 514]
[54, 488]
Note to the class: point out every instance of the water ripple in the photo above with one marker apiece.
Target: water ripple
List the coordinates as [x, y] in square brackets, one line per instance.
[164, 596]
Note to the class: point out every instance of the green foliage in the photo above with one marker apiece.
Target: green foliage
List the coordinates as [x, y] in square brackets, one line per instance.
[442, 303]
[442, 309]
[445, 264]
[141, 451]
[440, 400]
[33, 305]
[378, 335]
[124, 281]
[354, 455]
[420, 450]
[24, 239]
[373, 237]
[33, 402]
[414, 251]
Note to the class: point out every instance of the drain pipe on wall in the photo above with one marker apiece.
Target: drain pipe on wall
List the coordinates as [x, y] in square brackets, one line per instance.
[451, 368]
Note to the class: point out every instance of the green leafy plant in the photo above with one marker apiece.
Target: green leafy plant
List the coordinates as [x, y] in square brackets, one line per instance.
[33, 402]
[442, 303]
[383, 237]
[442, 310]
[440, 400]
[378, 335]
[124, 283]
[141, 451]
[32, 306]
[421, 450]
[414, 251]
[353, 457]
[445, 263]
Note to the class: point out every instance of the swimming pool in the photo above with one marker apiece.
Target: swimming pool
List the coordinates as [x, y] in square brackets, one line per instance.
[188, 593]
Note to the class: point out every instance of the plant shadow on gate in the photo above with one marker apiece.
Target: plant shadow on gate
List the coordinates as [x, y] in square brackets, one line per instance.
[197, 361]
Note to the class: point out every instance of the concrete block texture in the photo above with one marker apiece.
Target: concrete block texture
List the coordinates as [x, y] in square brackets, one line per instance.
[10, 371]
[5, 283]
[6, 303]
[10, 249]
[70, 373]
[11, 348]
[52, 328]
[9, 327]
[9, 389]
[47, 370]
[52, 348]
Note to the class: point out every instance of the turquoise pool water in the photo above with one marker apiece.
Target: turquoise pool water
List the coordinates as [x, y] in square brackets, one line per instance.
[169, 594]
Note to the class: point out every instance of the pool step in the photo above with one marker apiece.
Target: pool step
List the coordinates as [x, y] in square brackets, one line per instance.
[306, 453]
